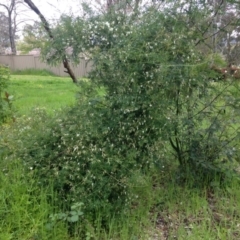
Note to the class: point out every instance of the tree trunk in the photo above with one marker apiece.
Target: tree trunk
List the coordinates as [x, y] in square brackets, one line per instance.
[11, 34]
[11, 30]
[48, 30]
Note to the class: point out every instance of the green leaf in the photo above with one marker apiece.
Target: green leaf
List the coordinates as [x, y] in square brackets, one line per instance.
[73, 218]
[73, 212]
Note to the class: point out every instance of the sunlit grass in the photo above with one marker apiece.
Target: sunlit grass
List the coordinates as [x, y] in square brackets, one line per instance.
[48, 92]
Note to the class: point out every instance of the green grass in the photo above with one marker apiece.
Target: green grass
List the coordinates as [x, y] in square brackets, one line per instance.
[48, 92]
[24, 209]
[30, 71]
[161, 207]
[162, 210]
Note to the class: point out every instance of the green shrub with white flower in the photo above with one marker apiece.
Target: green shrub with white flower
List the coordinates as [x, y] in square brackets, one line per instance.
[157, 89]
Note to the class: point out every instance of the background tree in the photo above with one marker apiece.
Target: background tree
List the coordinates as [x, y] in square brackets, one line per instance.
[34, 36]
[4, 36]
[123, 6]
[221, 34]
[11, 8]
[229, 39]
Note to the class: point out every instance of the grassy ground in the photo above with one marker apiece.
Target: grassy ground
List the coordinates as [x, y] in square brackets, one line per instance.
[48, 92]
[163, 210]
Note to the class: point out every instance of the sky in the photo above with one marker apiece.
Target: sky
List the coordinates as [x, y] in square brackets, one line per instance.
[52, 9]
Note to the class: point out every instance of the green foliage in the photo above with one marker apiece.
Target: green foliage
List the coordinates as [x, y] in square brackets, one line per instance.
[158, 89]
[70, 216]
[39, 223]
[5, 97]
[34, 36]
[71, 153]
[217, 60]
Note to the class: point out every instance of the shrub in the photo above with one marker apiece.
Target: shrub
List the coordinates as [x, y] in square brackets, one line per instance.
[157, 88]
[71, 151]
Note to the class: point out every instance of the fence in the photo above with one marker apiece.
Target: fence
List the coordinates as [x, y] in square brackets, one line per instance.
[21, 62]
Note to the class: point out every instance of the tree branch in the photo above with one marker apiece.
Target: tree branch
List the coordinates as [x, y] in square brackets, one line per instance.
[49, 31]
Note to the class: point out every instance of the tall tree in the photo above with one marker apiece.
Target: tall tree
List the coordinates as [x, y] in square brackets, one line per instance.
[4, 36]
[217, 23]
[11, 9]
[229, 39]
[34, 36]
[123, 6]
[51, 36]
